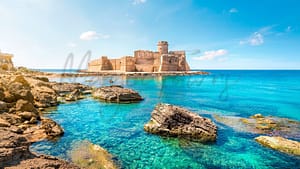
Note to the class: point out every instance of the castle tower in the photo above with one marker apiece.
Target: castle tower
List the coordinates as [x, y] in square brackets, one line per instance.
[162, 47]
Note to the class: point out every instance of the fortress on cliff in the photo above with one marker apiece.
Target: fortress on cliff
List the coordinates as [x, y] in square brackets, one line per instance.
[144, 61]
[6, 61]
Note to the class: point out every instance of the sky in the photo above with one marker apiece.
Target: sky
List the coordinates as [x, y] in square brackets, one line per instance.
[216, 34]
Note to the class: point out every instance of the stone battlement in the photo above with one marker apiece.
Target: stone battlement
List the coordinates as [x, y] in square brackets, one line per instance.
[144, 61]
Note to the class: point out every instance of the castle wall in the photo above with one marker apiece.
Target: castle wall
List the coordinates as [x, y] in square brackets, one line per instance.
[144, 61]
[169, 63]
[128, 64]
[116, 64]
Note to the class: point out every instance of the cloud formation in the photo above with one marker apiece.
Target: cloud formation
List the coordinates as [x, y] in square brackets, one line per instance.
[92, 35]
[233, 10]
[136, 2]
[255, 39]
[210, 55]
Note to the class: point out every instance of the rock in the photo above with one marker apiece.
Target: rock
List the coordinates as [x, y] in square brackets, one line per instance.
[51, 128]
[116, 94]
[15, 154]
[86, 92]
[43, 162]
[13, 147]
[68, 87]
[170, 120]
[4, 123]
[74, 95]
[27, 115]
[44, 95]
[13, 119]
[20, 79]
[17, 91]
[280, 144]
[90, 156]
[259, 124]
[24, 105]
[3, 107]
[1, 92]
[256, 116]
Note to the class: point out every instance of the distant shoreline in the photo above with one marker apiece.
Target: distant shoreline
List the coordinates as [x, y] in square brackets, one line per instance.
[129, 74]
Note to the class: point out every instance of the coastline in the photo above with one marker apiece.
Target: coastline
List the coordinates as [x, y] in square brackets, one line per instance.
[127, 74]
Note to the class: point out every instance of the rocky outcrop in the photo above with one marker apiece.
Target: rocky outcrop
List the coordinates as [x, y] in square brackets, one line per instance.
[116, 94]
[21, 97]
[74, 95]
[259, 124]
[280, 144]
[15, 154]
[170, 120]
[90, 156]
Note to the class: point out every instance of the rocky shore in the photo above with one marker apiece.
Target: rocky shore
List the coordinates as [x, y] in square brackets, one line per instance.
[23, 95]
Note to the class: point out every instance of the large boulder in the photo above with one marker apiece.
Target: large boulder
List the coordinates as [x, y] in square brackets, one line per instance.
[44, 95]
[116, 94]
[170, 120]
[280, 144]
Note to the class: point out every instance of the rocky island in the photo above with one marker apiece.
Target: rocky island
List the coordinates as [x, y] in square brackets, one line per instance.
[174, 121]
[117, 94]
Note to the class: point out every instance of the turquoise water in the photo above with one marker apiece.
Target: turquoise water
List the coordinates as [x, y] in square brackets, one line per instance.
[119, 127]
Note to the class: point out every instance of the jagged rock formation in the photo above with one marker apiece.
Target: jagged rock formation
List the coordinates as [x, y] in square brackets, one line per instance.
[170, 120]
[281, 144]
[90, 156]
[116, 94]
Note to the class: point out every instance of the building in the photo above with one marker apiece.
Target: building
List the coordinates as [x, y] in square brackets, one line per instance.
[144, 61]
[6, 61]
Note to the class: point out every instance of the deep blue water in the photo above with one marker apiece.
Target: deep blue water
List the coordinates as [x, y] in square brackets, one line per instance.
[119, 127]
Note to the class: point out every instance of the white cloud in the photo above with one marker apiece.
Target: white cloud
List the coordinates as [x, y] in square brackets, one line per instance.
[210, 55]
[255, 39]
[233, 10]
[136, 2]
[92, 35]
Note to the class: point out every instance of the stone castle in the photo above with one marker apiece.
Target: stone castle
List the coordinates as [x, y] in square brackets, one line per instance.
[144, 61]
[6, 61]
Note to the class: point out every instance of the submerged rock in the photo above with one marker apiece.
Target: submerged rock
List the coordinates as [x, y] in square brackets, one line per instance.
[90, 156]
[281, 144]
[259, 124]
[116, 94]
[170, 120]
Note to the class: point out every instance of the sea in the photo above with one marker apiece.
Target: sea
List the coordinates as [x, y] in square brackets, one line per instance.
[119, 127]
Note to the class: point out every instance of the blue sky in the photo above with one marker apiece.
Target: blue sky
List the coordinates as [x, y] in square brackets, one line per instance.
[216, 34]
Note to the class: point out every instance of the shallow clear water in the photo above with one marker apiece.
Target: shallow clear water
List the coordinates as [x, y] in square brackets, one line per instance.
[119, 127]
